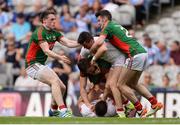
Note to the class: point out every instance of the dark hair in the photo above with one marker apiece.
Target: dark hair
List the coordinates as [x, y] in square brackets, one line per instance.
[45, 13]
[84, 37]
[176, 42]
[20, 15]
[104, 13]
[101, 108]
[83, 65]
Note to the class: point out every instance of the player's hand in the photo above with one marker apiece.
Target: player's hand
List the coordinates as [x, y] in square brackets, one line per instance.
[90, 106]
[65, 59]
[93, 62]
[102, 98]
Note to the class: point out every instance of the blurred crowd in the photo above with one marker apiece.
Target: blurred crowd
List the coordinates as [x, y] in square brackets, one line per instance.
[19, 18]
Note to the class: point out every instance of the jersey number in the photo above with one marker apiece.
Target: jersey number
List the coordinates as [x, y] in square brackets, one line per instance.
[125, 30]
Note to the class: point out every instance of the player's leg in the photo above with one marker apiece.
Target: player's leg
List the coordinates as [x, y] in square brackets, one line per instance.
[125, 78]
[111, 82]
[48, 76]
[128, 106]
[139, 64]
[142, 90]
[53, 111]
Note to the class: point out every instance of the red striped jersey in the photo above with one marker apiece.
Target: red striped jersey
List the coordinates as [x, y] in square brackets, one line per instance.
[119, 37]
[35, 53]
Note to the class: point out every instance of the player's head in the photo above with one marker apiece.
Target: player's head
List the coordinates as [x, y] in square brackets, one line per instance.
[103, 16]
[48, 18]
[86, 39]
[101, 108]
[86, 68]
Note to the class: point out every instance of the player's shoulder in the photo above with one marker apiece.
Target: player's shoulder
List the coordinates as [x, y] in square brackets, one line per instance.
[38, 30]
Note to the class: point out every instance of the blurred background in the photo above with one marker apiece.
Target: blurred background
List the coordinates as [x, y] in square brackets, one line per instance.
[155, 23]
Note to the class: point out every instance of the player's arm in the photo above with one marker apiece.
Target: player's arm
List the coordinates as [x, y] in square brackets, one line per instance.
[69, 43]
[102, 49]
[45, 47]
[83, 93]
[98, 43]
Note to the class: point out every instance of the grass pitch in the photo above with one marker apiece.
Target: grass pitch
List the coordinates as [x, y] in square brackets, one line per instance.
[80, 120]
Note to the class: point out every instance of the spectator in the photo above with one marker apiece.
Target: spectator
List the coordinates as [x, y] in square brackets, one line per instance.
[24, 44]
[147, 81]
[34, 21]
[65, 10]
[163, 54]
[95, 8]
[87, 2]
[4, 19]
[83, 20]
[165, 81]
[177, 85]
[2, 47]
[14, 57]
[60, 2]
[175, 53]
[24, 82]
[150, 48]
[20, 28]
[138, 4]
[68, 23]
[74, 92]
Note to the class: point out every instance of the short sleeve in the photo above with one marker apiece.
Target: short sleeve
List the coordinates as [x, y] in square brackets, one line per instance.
[84, 53]
[107, 32]
[58, 35]
[38, 36]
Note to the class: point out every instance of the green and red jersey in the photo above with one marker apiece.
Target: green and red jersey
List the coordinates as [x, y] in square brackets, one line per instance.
[34, 53]
[119, 37]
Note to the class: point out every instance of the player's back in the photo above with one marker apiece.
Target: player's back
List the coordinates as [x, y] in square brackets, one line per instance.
[120, 38]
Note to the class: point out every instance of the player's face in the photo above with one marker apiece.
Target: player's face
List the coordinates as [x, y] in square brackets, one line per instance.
[101, 21]
[50, 21]
[88, 45]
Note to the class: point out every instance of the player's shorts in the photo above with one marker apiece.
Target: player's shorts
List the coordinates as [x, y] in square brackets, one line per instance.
[34, 69]
[138, 62]
[86, 112]
[119, 61]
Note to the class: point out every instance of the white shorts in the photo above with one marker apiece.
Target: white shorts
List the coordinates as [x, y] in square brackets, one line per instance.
[138, 62]
[86, 112]
[119, 61]
[33, 70]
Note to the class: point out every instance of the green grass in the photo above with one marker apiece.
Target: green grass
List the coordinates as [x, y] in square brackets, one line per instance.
[80, 120]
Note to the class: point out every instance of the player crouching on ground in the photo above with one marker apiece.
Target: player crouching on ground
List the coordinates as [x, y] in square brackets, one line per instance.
[97, 75]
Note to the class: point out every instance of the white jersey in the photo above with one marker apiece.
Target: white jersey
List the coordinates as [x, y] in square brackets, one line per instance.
[111, 109]
[112, 55]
